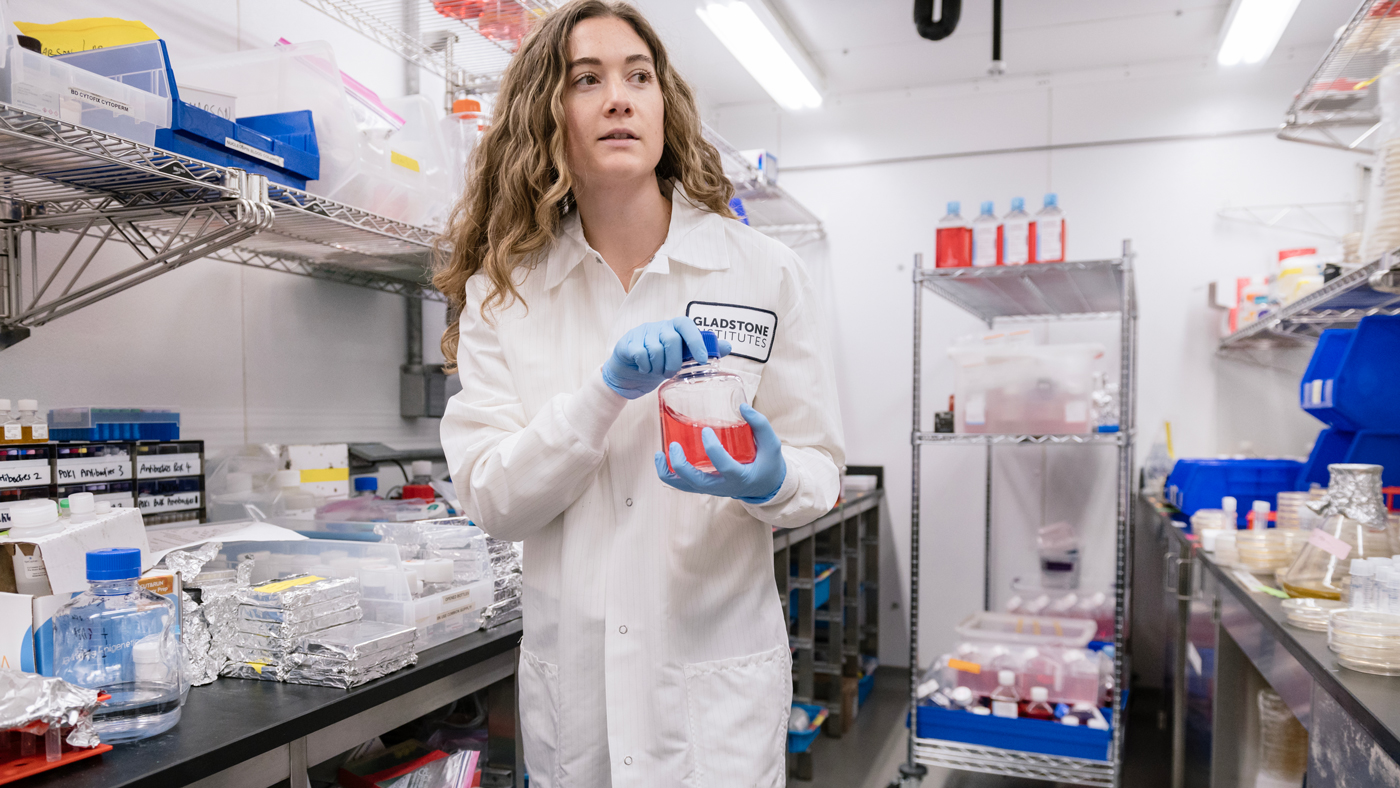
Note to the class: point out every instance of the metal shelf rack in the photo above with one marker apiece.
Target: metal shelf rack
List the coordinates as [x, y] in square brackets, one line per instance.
[1099, 289]
[1339, 107]
[56, 177]
[1372, 289]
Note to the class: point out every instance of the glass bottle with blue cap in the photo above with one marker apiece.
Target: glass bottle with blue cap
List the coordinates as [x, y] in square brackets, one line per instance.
[702, 396]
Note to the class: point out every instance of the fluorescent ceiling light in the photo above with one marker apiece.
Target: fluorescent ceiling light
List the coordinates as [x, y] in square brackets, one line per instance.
[1253, 30]
[758, 49]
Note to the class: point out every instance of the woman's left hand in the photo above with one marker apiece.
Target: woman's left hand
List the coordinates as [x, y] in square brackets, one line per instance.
[756, 482]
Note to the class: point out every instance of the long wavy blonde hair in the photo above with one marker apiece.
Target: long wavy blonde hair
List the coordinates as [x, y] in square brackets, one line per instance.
[520, 186]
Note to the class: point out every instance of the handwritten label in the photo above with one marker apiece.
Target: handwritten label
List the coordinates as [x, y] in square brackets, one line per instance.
[94, 470]
[158, 465]
[249, 150]
[1329, 543]
[25, 473]
[151, 504]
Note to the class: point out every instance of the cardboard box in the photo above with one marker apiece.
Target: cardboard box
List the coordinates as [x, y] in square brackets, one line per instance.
[325, 468]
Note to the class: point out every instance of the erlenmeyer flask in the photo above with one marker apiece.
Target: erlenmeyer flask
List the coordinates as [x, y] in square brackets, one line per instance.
[1353, 527]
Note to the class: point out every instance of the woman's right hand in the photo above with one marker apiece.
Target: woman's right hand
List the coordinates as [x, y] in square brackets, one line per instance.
[649, 354]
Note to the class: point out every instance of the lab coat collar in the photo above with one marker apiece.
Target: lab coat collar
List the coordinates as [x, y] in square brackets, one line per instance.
[695, 238]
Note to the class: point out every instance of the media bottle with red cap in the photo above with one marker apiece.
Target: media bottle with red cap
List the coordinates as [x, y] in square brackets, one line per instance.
[703, 395]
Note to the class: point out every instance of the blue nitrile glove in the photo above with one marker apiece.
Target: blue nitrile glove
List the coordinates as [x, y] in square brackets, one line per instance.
[756, 482]
[649, 354]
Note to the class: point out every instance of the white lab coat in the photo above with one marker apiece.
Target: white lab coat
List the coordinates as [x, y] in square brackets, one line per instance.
[655, 652]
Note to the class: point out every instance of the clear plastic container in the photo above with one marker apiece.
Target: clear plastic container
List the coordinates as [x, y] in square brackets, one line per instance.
[63, 91]
[1005, 698]
[113, 424]
[1355, 527]
[1048, 233]
[1059, 556]
[461, 131]
[1283, 744]
[954, 240]
[120, 638]
[1264, 552]
[1024, 388]
[704, 396]
[986, 247]
[1015, 235]
[1027, 630]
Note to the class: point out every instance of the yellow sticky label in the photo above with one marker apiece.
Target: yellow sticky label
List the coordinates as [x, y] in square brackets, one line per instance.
[313, 475]
[80, 35]
[258, 666]
[407, 162]
[160, 584]
[283, 585]
[965, 667]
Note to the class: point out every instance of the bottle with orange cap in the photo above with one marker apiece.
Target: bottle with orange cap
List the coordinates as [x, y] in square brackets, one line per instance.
[461, 129]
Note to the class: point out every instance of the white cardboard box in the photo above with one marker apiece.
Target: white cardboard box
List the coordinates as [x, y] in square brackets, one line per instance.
[325, 467]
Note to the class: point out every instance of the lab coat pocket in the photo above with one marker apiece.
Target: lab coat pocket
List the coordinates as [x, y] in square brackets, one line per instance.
[539, 719]
[737, 711]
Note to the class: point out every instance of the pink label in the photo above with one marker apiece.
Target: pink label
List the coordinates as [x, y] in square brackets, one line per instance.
[1329, 543]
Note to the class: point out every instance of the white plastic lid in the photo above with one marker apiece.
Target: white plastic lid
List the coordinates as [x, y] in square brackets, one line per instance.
[1070, 720]
[102, 507]
[962, 695]
[1031, 653]
[437, 570]
[81, 503]
[1362, 568]
[1208, 540]
[146, 650]
[1262, 506]
[422, 467]
[37, 513]
[1040, 694]
[1229, 504]
[1006, 678]
[980, 710]
[29, 404]
[240, 482]
[1098, 724]
[287, 478]
[4, 406]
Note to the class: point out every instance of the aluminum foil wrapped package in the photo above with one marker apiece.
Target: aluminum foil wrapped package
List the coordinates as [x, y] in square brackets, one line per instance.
[261, 671]
[312, 663]
[501, 612]
[277, 629]
[276, 648]
[351, 680]
[190, 563]
[296, 615]
[360, 639]
[196, 644]
[454, 770]
[299, 590]
[31, 703]
[438, 534]
[281, 660]
[508, 587]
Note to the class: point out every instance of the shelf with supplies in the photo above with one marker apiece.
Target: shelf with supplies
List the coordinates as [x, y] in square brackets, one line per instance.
[1339, 105]
[1372, 289]
[1084, 290]
[170, 210]
[988, 439]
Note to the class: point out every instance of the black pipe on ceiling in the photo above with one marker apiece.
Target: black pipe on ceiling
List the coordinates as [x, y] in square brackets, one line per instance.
[997, 66]
[944, 26]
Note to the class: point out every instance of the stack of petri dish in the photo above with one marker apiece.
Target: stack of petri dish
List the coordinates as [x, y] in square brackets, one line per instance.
[1366, 641]
[1265, 551]
[1226, 553]
[1293, 512]
[1311, 614]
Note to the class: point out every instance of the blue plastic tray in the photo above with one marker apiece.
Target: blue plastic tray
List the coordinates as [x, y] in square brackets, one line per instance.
[1025, 735]
[800, 742]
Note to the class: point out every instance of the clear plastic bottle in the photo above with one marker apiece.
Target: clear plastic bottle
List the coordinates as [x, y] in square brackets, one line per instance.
[1048, 233]
[1105, 404]
[1259, 515]
[1005, 700]
[33, 427]
[1039, 669]
[986, 235]
[119, 638]
[1359, 587]
[704, 396]
[291, 500]
[1015, 234]
[1355, 527]
[10, 429]
[30, 520]
[461, 130]
[954, 240]
[1039, 707]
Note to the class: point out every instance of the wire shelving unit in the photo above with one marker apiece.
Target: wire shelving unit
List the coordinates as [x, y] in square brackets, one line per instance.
[99, 189]
[1098, 289]
[1372, 289]
[1339, 105]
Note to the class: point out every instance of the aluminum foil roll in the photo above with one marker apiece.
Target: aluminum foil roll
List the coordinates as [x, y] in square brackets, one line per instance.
[299, 590]
[298, 614]
[349, 681]
[357, 640]
[31, 703]
[1355, 493]
[277, 629]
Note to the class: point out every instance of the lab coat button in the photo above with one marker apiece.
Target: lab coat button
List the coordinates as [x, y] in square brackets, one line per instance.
[629, 501]
[622, 630]
[627, 760]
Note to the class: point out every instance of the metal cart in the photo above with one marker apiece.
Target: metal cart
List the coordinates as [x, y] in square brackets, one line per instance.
[1091, 290]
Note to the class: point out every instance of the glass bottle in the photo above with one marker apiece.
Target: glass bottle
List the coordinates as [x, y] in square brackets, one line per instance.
[119, 638]
[12, 431]
[1354, 527]
[703, 395]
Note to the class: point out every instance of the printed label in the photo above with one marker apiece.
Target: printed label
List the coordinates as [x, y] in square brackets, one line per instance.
[1329, 544]
[25, 473]
[14, 431]
[156, 465]
[40, 431]
[105, 102]
[457, 611]
[158, 584]
[249, 150]
[465, 593]
[749, 329]
[984, 245]
[152, 504]
[1317, 393]
[283, 585]
[1016, 243]
[314, 475]
[407, 162]
[93, 471]
[34, 567]
[976, 410]
[965, 667]
[1049, 239]
[1004, 708]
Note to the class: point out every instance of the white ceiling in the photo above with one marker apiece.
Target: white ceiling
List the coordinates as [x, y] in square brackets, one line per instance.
[869, 45]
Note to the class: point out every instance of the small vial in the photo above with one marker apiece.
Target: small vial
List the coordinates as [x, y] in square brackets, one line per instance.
[1359, 589]
[1260, 516]
[1004, 698]
[1380, 588]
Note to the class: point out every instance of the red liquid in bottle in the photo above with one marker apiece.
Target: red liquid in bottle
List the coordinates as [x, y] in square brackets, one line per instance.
[737, 439]
[954, 247]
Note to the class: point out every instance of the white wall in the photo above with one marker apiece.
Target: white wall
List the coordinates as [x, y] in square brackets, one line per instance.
[1163, 195]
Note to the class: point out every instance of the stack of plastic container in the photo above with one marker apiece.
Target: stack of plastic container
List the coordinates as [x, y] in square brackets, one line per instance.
[1366, 641]
[274, 617]
[1311, 614]
[1096, 606]
[352, 654]
[1265, 551]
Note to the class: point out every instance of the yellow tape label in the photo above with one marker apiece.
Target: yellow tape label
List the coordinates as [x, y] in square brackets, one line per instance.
[283, 585]
[258, 666]
[313, 475]
[407, 162]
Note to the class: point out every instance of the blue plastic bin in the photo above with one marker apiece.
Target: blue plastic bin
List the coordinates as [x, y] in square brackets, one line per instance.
[1349, 373]
[1025, 735]
[1367, 446]
[863, 689]
[821, 589]
[800, 742]
[1200, 484]
[113, 424]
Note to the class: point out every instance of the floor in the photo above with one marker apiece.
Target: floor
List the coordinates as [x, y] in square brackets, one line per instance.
[869, 756]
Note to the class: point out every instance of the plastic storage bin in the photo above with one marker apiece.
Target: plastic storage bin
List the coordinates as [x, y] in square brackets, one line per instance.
[800, 742]
[1024, 388]
[821, 589]
[439, 617]
[1347, 369]
[1027, 630]
[1201, 483]
[1021, 734]
[113, 424]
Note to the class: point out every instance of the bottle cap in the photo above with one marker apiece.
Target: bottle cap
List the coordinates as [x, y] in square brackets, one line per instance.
[1070, 720]
[62, 506]
[1208, 540]
[146, 650]
[953, 207]
[29, 404]
[465, 105]
[363, 483]
[711, 346]
[117, 563]
[980, 710]
[1040, 694]
[1018, 204]
[1229, 504]
[239, 482]
[1051, 200]
[962, 695]
[33, 514]
[987, 208]
[422, 467]
[287, 478]
[1362, 568]
[102, 507]
[81, 503]
[1006, 678]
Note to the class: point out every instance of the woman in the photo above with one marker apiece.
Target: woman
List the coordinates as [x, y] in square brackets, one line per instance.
[594, 234]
